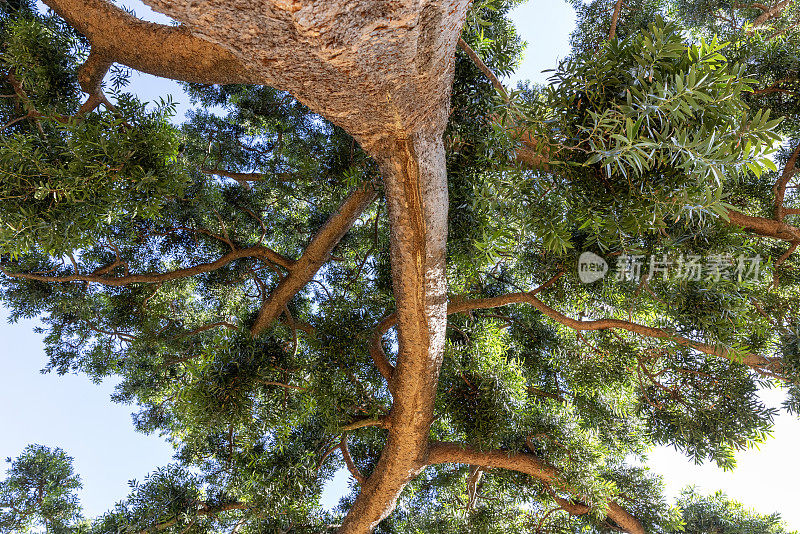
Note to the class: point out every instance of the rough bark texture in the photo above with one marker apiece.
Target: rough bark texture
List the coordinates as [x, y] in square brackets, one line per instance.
[416, 191]
[380, 70]
[166, 51]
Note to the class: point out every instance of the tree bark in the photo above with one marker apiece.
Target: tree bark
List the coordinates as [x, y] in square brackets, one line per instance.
[441, 453]
[382, 71]
[314, 257]
[416, 191]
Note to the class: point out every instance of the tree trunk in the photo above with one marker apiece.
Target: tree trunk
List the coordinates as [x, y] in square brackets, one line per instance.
[380, 70]
[416, 191]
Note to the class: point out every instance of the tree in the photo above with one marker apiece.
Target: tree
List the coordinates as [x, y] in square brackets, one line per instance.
[372, 259]
[39, 489]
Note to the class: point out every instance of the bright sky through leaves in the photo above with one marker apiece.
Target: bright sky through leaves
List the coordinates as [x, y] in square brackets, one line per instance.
[71, 413]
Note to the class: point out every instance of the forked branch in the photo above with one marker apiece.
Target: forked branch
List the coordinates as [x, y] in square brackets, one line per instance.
[442, 453]
[165, 51]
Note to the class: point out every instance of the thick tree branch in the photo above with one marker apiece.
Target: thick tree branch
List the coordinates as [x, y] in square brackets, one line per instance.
[771, 12]
[315, 255]
[166, 51]
[441, 453]
[416, 197]
[152, 278]
[375, 344]
[615, 19]
[765, 227]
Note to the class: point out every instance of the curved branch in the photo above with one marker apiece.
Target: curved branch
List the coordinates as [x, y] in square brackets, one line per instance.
[771, 13]
[153, 278]
[441, 453]
[157, 49]
[375, 343]
[780, 185]
[315, 255]
[348, 460]
[765, 227]
[382, 422]
[758, 363]
[376, 351]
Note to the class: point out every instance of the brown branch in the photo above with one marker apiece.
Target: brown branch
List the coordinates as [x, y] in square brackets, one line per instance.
[376, 351]
[615, 19]
[780, 185]
[528, 152]
[315, 255]
[765, 227]
[27, 105]
[460, 306]
[572, 508]
[781, 260]
[771, 13]
[776, 87]
[152, 278]
[382, 422]
[781, 32]
[441, 453]
[12, 122]
[376, 344]
[157, 49]
[348, 460]
[462, 44]
[758, 363]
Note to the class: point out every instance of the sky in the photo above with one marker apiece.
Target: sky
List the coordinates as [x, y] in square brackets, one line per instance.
[72, 413]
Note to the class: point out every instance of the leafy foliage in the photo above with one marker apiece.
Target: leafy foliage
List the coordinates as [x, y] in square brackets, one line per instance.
[39, 490]
[149, 249]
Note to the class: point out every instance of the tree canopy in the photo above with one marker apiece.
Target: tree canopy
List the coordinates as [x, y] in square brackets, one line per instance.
[372, 255]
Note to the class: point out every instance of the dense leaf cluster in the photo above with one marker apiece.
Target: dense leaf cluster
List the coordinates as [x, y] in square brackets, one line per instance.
[148, 250]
